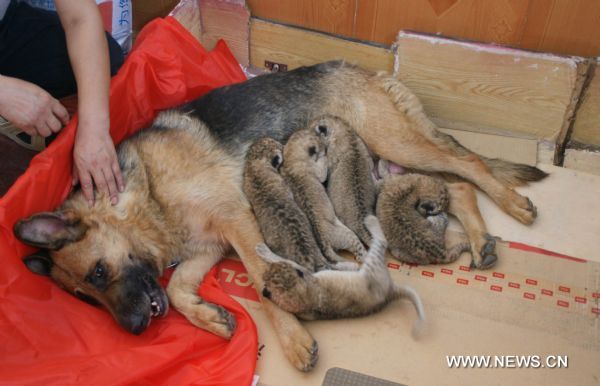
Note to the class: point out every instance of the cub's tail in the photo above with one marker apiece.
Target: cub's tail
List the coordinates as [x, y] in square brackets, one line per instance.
[379, 243]
[404, 291]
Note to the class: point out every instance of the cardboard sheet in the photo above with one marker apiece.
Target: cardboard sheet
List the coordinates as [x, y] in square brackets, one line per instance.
[530, 304]
[568, 214]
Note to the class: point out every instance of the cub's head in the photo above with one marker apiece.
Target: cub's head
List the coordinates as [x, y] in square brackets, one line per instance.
[267, 151]
[98, 255]
[287, 287]
[306, 151]
[433, 195]
[332, 128]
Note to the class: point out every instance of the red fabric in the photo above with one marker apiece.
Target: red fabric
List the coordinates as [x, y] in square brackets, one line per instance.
[47, 336]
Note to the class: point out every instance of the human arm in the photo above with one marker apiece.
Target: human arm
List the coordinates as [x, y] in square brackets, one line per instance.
[30, 108]
[94, 155]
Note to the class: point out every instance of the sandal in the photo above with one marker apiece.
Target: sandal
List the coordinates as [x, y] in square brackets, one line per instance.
[35, 143]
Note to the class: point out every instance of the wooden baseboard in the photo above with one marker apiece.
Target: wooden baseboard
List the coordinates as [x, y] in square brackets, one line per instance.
[295, 47]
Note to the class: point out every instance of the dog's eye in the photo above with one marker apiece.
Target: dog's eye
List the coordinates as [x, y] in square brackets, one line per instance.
[98, 276]
[322, 129]
[300, 273]
[312, 151]
[99, 271]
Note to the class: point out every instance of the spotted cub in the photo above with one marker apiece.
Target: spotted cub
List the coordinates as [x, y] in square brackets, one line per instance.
[412, 211]
[284, 226]
[350, 184]
[305, 170]
[335, 294]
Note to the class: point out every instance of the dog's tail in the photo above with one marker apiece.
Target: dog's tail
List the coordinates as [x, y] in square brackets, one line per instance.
[513, 174]
[404, 291]
[509, 173]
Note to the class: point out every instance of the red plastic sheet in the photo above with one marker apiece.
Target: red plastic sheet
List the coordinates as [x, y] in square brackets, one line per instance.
[47, 336]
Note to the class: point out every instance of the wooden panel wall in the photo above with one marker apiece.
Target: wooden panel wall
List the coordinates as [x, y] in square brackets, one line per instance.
[296, 47]
[586, 129]
[484, 88]
[559, 26]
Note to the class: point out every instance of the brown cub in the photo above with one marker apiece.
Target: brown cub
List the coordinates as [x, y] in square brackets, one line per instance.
[284, 226]
[305, 171]
[350, 184]
[412, 210]
[332, 294]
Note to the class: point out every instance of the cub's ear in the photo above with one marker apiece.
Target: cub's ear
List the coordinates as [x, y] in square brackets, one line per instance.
[40, 263]
[50, 230]
[277, 160]
[322, 130]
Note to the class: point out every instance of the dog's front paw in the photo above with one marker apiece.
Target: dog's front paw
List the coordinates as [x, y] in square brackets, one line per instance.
[301, 350]
[213, 318]
[299, 347]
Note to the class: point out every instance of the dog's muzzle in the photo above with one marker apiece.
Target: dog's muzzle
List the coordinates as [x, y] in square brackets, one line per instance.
[141, 298]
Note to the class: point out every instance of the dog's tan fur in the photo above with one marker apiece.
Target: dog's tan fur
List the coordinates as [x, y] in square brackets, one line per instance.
[184, 199]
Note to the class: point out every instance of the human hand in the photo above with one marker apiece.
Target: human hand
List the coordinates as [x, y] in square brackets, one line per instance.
[30, 108]
[95, 162]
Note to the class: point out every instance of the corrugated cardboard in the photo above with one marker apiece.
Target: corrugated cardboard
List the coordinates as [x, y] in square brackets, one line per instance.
[531, 303]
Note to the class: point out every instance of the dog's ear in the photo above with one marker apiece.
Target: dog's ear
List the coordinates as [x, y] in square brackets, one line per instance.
[50, 230]
[40, 263]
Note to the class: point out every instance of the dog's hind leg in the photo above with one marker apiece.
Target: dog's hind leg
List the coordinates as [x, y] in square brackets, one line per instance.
[182, 291]
[403, 134]
[509, 173]
[412, 150]
[463, 205]
[298, 345]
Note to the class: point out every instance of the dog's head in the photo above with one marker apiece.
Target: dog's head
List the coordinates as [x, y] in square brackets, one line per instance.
[97, 255]
[288, 287]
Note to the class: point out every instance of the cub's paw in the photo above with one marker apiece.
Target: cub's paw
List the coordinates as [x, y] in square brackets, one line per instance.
[486, 258]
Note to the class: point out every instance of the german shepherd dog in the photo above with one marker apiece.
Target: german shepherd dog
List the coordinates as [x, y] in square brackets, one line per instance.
[184, 202]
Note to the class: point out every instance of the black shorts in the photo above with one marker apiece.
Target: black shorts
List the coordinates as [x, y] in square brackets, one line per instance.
[33, 47]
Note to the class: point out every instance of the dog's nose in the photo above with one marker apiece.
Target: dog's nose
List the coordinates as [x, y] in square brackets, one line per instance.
[135, 323]
[266, 293]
